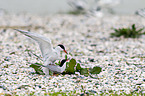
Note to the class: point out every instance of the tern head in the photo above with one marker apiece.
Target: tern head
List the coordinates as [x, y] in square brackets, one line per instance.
[62, 48]
[62, 62]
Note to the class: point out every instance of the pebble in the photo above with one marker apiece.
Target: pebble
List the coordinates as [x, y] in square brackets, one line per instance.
[89, 42]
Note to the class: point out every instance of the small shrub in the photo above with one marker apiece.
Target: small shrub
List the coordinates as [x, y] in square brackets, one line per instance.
[71, 68]
[132, 32]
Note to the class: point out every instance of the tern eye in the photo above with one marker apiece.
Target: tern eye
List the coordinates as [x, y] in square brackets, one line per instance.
[62, 46]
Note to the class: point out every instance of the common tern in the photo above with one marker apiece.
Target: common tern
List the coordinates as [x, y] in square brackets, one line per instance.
[56, 68]
[49, 54]
[141, 12]
[109, 3]
[77, 4]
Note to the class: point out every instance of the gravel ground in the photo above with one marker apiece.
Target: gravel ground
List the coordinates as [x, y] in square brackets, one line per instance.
[88, 39]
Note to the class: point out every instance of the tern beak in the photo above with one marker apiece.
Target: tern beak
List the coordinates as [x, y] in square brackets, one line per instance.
[65, 51]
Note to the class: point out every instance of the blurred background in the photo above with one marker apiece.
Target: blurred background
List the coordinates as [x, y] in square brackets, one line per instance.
[45, 7]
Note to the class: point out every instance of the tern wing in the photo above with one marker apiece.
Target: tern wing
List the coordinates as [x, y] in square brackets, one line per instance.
[44, 43]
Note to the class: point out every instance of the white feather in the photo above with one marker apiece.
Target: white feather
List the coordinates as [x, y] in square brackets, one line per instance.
[49, 54]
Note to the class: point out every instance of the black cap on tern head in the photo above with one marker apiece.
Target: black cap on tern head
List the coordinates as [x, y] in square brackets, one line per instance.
[62, 46]
[62, 62]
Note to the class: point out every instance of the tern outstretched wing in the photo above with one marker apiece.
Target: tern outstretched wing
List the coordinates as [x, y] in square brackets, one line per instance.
[44, 43]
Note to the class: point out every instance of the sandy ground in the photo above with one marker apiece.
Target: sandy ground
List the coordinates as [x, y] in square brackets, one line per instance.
[122, 59]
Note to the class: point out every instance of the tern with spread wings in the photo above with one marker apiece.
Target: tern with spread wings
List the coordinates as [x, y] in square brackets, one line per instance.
[49, 54]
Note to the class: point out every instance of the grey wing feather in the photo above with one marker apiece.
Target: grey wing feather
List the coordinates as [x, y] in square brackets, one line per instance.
[40, 65]
[44, 43]
[56, 68]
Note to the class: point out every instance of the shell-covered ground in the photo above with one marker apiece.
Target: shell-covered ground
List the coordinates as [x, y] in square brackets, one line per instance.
[88, 39]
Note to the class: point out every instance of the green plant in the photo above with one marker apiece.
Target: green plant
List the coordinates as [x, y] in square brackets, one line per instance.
[71, 68]
[132, 32]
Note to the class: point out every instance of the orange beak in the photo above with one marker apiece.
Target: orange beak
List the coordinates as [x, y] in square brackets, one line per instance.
[65, 51]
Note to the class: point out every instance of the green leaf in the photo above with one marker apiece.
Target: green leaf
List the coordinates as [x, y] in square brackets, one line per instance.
[70, 66]
[133, 27]
[37, 68]
[65, 56]
[139, 31]
[27, 50]
[50, 73]
[70, 54]
[58, 63]
[78, 67]
[84, 71]
[95, 70]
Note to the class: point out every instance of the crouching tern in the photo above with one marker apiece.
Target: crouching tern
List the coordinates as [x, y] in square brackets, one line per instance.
[56, 68]
[49, 54]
